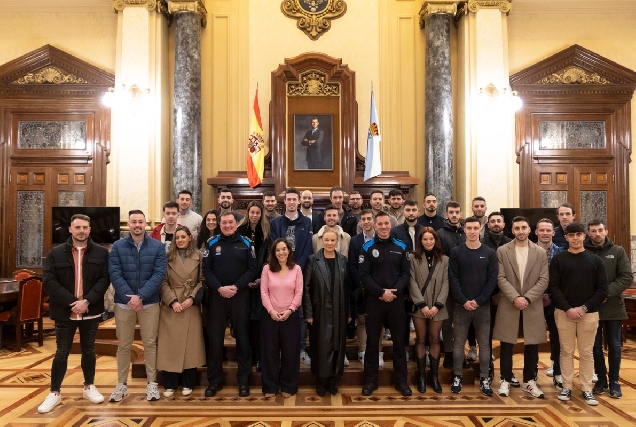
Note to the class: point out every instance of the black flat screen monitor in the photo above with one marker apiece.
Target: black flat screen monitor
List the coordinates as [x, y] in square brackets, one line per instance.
[533, 215]
[104, 223]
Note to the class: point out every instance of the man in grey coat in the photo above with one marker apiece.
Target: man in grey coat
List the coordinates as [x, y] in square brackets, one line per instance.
[522, 279]
[612, 311]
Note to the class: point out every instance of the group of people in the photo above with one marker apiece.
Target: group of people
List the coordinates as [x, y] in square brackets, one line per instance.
[274, 277]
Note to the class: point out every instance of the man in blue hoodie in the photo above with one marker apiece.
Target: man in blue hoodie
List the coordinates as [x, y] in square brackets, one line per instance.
[137, 266]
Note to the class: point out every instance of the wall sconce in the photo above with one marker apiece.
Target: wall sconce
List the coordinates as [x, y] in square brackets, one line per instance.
[133, 97]
[514, 101]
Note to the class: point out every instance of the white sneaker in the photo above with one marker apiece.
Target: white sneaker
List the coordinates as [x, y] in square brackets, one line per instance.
[472, 354]
[92, 394]
[51, 401]
[387, 334]
[557, 380]
[550, 371]
[381, 359]
[152, 392]
[186, 391]
[411, 326]
[346, 361]
[121, 391]
[361, 357]
[504, 388]
[531, 387]
[304, 358]
[594, 378]
[589, 398]
[169, 392]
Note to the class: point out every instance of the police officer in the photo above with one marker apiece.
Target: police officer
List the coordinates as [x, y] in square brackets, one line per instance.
[385, 272]
[228, 267]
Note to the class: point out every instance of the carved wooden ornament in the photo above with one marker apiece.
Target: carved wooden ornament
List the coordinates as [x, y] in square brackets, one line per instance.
[314, 16]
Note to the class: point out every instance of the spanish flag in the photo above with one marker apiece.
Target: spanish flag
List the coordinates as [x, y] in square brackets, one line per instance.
[255, 147]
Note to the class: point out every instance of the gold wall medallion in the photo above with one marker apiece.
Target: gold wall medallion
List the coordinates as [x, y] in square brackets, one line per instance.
[314, 16]
[573, 75]
[313, 83]
[49, 75]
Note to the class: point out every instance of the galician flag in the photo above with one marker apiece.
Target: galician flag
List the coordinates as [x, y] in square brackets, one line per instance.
[255, 147]
[373, 165]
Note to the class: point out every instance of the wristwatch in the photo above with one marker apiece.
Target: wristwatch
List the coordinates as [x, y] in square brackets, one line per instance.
[87, 302]
[584, 308]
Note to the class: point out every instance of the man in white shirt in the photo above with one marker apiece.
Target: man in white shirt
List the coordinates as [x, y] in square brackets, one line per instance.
[187, 217]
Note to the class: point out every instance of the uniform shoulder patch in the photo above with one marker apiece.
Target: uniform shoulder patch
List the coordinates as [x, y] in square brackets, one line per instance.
[246, 241]
[399, 243]
[212, 240]
[367, 245]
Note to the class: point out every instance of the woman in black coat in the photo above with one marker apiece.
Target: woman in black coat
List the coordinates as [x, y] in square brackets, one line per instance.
[326, 306]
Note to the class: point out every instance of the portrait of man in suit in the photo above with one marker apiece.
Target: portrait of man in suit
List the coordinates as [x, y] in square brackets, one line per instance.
[313, 151]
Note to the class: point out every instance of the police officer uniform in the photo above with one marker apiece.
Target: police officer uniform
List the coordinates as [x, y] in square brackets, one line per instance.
[384, 265]
[228, 260]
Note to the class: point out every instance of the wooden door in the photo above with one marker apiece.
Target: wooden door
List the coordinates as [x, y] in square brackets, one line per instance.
[589, 188]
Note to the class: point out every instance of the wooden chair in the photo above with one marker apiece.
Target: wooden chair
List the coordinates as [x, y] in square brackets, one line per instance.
[28, 310]
[23, 274]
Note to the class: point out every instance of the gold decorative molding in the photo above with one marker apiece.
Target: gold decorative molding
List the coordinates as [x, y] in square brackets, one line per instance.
[121, 4]
[505, 6]
[432, 7]
[314, 16]
[49, 75]
[490, 91]
[196, 6]
[313, 83]
[572, 75]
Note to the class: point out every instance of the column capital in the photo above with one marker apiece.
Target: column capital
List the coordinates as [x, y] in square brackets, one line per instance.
[503, 5]
[122, 4]
[172, 7]
[431, 7]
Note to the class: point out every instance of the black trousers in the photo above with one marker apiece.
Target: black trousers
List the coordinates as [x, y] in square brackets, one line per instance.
[237, 308]
[170, 380]
[530, 361]
[280, 364]
[377, 312]
[255, 339]
[64, 334]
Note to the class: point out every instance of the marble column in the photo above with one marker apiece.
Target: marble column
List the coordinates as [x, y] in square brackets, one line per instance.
[186, 130]
[436, 17]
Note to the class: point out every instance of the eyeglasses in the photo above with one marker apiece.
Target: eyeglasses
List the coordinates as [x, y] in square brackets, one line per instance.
[578, 234]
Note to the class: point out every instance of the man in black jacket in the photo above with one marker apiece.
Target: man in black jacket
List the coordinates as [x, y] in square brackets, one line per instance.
[578, 286]
[75, 279]
[566, 215]
[385, 273]
[348, 220]
[408, 230]
[228, 268]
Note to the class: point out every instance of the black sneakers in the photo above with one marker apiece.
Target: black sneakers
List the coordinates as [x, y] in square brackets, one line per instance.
[457, 384]
[484, 386]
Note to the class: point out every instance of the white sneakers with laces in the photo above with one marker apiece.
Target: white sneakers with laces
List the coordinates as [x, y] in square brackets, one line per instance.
[121, 391]
[504, 388]
[550, 371]
[304, 358]
[152, 391]
[531, 387]
[51, 401]
[92, 394]
[381, 359]
[361, 357]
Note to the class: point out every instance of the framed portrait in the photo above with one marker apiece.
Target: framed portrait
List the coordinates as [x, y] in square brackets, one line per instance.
[313, 142]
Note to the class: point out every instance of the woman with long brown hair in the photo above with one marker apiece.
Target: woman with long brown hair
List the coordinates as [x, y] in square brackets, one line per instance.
[180, 347]
[281, 292]
[428, 289]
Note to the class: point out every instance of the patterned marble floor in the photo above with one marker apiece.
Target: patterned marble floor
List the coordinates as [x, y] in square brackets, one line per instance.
[25, 380]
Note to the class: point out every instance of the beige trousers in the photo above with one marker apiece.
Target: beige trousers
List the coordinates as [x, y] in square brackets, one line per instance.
[125, 321]
[579, 333]
[361, 334]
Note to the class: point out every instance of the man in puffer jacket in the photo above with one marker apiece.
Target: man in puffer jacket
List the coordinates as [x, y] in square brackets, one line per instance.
[137, 266]
[612, 311]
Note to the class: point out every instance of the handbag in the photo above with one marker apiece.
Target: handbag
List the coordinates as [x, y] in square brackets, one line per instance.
[423, 290]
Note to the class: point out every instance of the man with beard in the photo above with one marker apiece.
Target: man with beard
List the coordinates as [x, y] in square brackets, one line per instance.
[331, 224]
[522, 279]
[187, 217]
[450, 235]
[306, 203]
[270, 203]
[355, 203]
[347, 220]
[225, 202]
[137, 266]
[396, 203]
[377, 205]
[612, 311]
[407, 231]
[479, 211]
[430, 217]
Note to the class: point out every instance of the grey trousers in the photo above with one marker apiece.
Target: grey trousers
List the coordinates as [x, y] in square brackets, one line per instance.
[461, 324]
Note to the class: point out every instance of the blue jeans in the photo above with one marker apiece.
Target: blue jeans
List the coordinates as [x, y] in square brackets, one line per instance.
[611, 329]
[64, 333]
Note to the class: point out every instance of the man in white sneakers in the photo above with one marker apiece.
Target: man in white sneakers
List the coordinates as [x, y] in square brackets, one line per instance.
[522, 279]
[75, 278]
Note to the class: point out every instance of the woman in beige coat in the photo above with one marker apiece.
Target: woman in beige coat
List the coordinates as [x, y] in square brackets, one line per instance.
[429, 305]
[180, 342]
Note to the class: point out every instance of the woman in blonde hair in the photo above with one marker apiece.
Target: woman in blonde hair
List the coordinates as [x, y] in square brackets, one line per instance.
[180, 347]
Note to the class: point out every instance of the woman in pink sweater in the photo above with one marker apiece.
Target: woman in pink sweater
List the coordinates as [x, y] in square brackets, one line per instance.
[281, 292]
